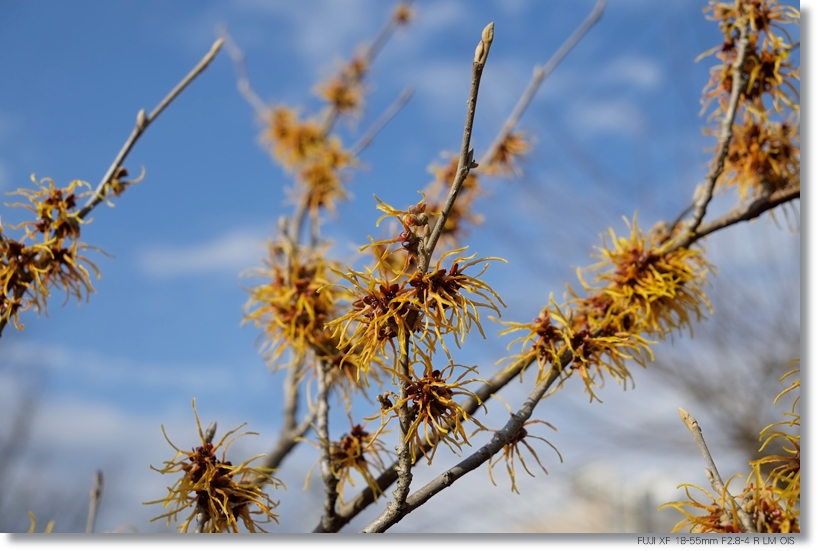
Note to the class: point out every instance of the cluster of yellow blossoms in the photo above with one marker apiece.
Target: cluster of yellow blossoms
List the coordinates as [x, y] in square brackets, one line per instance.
[49, 255]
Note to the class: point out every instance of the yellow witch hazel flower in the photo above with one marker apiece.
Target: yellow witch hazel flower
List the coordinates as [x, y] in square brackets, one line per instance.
[392, 303]
[652, 289]
[293, 305]
[643, 289]
[215, 488]
[432, 400]
[356, 451]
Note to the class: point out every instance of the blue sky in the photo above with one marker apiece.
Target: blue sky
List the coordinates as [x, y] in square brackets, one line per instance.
[617, 130]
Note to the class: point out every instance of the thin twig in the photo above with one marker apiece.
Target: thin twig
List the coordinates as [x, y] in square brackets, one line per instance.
[368, 56]
[382, 121]
[743, 214]
[712, 472]
[466, 161]
[330, 480]
[291, 397]
[287, 440]
[541, 72]
[403, 465]
[201, 513]
[142, 123]
[96, 496]
[243, 80]
[704, 193]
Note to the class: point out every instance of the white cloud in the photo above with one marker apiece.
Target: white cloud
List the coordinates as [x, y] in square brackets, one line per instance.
[95, 370]
[315, 37]
[607, 117]
[232, 252]
[637, 71]
[442, 85]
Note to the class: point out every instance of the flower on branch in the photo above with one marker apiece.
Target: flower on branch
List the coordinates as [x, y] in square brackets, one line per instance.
[461, 215]
[440, 294]
[650, 290]
[293, 141]
[292, 307]
[641, 291]
[343, 91]
[403, 14]
[356, 451]
[223, 492]
[512, 448]
[764, 154]
[320, 176]
[54, 256]
[504, 161]
[432, 400]
[767, 70]
[378, 314]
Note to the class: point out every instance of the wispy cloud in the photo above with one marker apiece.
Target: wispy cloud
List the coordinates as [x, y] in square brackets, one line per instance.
[92, 369]
[231, 252]
[640, 72]
[607, 117]
[315, 37]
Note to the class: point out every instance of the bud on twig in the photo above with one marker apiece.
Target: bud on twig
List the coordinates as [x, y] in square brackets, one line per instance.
[482, 51]
[140, 119]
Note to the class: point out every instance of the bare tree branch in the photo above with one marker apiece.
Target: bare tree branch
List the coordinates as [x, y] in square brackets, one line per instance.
[466, 161]
[330, 480]
[704, 193]
[748, 212]
[142, 123]
[541, 72]
[96, 495]
[712, 472]
[243, 80]
[381, 121]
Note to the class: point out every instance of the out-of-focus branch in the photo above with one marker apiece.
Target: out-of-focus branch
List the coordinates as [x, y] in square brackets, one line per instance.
[287, 440]
[712, 472]
[541, 72]
[381, 121]
[368, 56]
[96, 495]
[466, 161]
[330, 480]
[142, 122]
[243, 80]
[704, 193]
